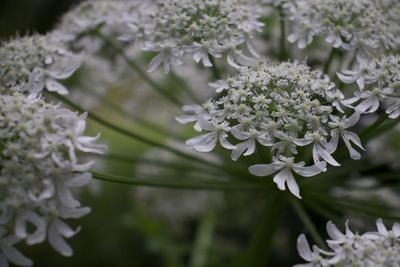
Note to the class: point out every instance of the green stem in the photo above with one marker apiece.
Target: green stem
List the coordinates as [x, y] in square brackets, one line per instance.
[214, 69]
[328, 63]
[193, 184]
[328, 215]
[185, 87]
[159, 163]
[368, 132]
[139, 137]
[262, 238]
[307, 222]
[138, 70]
[203, 240]
[283, 43]
[148, 124]
[364, 208]
[382, 129]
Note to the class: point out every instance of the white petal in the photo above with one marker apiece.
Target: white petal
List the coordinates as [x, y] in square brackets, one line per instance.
[224, 143]
[155, 62]
[65, 68]
[304, 248]
[57, 241]
[240, 148]
[307, 171]
[381, 227]
[203, 143]
[292, 185]
[334, 232]
[264, 169]
[16, 257]
[396, 229]
[54, 86]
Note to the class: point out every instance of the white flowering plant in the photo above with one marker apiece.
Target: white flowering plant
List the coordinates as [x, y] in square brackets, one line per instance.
[290, 106]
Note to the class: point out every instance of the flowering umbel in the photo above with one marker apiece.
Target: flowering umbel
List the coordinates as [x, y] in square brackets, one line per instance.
[202, 29]
[40, 166]
[378, 83]
[282, 106]
[371, 249]
[32, 63]
[367, 26]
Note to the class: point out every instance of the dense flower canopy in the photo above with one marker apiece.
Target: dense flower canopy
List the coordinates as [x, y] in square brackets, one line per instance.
[367, 26]
[283, 106]
[39, 167]
[202, 29]
[378, 82]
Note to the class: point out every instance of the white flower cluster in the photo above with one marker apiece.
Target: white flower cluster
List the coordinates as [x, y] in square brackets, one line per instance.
[108, 17]
[371, 249]
[378, 81]
[202, 29]
[367, 26]
[30, 64]
[284, 106]
[39, 168]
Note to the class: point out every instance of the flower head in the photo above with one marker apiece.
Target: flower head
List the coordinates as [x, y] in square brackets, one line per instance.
[39, 167]
[282, 106]
[110, 18]
[363, 25]
[202, 29]
[35, 62]
[379, 83]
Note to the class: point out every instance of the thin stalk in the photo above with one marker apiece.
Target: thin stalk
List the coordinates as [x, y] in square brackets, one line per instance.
[356, 206]
[307, 222]
[328, 215]
[150, 125]
[214, 69]
[283, 43]
[383, 128]
[192, 184]
[260, 244]
[328, 63]
[158, 163]
[203, 240]
[185, 87]
[138, 136]
[336, 172]
[365, 135]
[138, 70]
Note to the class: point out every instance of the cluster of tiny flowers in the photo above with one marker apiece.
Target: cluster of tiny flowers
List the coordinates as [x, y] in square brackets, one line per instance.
[109, 18]
[283, 106]
[378, 82]
[30, 64]
[202, 29]
[39, 168]
[371, 249]
[367, 26]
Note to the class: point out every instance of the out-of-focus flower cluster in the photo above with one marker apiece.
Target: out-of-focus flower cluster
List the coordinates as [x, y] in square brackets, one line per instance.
[41, 145]
[81, 26]
[283, 106]
[378, 249]
[365, 26]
